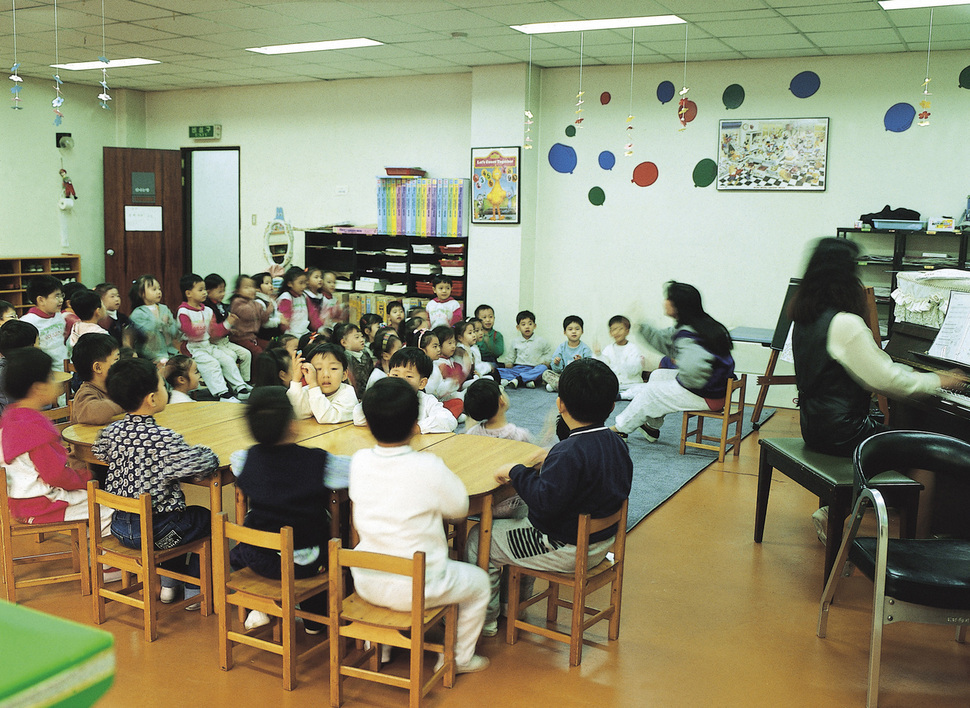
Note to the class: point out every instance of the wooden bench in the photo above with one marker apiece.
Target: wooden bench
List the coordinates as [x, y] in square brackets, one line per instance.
[829, 478]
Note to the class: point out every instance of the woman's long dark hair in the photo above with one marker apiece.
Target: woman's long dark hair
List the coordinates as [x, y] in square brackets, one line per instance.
[687, 301]
[830, 282]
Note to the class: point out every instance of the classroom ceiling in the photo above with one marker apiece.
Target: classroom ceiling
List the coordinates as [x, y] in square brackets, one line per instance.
[201, 43]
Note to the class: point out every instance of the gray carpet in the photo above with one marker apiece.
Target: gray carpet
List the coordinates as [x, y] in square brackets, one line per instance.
[659, 470]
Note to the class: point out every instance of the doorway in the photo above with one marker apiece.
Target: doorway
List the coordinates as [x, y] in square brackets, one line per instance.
[212, 220]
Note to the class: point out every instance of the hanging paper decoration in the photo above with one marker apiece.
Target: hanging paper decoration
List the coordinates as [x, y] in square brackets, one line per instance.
[805, 84]
[579, 96]
[597, 196]
[684, 105]
[665, 91]
[103, 97]
[924, 104]
[562, 158]
[899, 117]
[607, 160]
[704, 172]
[645, 174]
[687, 111]
[570, 131]
[733, 96]
[628, 146]
[964, 80]
[14, 76]
[527, 143]
[58, 97]
[605, 98]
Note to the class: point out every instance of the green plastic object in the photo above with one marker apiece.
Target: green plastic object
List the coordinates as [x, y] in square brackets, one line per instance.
[50, 661]
[704, 172]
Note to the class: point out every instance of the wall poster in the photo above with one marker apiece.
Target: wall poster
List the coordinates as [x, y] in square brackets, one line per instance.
[495, 185]
[772, 155]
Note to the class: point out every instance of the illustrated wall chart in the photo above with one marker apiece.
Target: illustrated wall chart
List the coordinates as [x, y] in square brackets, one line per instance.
[774, 154]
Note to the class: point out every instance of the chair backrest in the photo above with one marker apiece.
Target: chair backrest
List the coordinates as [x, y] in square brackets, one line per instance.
[6, 518]
[60, 416]
[413, 567]
[142, 506]
[909, 449]
[589, 526]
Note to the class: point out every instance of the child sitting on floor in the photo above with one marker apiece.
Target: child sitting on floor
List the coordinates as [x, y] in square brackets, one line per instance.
[414, 366]
[215, 288]
[329, 398]
[369, 324]
[590, 472]
[492, 344]
[115, 321]
[401, 498]
[89, 310]
[142, 457]
[528, 356]
[41, 487]
[250, 314]
[386, 342]
[444, 309]
[93, 356]
[297, 314]
[360, 364]
[156, 328]
[624, 357]
[286, 485]
[182, 376]
[573, 349]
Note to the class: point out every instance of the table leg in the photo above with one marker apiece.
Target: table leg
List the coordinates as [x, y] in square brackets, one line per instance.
[764, 487]
[485, 532]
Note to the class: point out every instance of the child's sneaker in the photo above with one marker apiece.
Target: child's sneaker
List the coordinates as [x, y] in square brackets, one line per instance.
[490, 629]
[477, 663]
[112, 575]
[228, 397]
[168, 595]
[531, 384]
[514, 383]
[651, 434]
[255, 619]
[550, 389]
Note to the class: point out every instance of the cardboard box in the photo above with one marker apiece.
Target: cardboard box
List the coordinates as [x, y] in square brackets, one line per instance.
[941, 223]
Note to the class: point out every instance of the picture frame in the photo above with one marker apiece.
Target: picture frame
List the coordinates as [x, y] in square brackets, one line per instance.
[773, 155]
[495, 195]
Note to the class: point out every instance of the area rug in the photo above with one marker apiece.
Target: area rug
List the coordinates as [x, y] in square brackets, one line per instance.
[659, 470]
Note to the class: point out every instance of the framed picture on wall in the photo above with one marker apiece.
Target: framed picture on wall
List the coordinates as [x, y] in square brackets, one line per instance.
[495, 185]
[777, 154]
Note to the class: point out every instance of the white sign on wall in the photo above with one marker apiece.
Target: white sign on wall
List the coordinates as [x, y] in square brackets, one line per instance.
[143, 218]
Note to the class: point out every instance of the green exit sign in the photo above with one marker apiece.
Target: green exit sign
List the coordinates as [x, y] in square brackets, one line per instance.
[204, 132]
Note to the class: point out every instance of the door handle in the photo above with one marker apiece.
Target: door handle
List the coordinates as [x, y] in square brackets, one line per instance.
[110, 252]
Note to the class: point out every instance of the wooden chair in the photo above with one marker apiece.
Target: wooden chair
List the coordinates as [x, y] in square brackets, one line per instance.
[731, 412]
[277, 598]
[10, 528]
[142, 563]
[354, 617]
[583, 581]
[60, 416]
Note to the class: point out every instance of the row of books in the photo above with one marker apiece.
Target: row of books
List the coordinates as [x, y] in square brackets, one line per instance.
[421, 207]
[359, 304]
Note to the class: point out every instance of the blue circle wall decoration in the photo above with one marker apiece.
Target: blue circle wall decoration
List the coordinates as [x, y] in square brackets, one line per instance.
[665, 91]
[607, 159]
[805, 84]
[899, 117]
[562, 158]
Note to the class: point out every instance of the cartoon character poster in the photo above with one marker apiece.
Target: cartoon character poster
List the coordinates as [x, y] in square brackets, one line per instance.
[495, 185]
[785, 154]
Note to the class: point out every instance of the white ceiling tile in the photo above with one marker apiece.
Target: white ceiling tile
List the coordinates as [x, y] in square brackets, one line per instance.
[743, 28]
[844, 21]
[768, 42]
[848, 40]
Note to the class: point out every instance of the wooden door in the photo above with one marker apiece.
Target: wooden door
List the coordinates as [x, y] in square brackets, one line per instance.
[135, 177]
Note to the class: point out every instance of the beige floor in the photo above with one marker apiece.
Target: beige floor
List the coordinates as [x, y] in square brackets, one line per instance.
[709, 619]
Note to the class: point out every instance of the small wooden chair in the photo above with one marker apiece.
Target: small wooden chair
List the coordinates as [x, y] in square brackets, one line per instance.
[583, 581]
[277, 598]
[60, 416]
[10, 528]
[731, 412]
[356, 618]
[142, 562]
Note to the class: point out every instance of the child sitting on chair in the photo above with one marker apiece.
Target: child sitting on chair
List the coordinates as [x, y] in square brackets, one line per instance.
[590, 472]
[401, 498]
[41, 487]
[93, 355]
[287, 485]
[143, 457]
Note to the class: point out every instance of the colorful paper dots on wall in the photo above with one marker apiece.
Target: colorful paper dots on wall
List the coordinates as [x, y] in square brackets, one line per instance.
[597, 196]
[570, 131]
[562, 158]
[899, 117]
[686, 112]
[645, 174]
[605, 98]
[704, 172]
[733, 96]
[665, 91]
[805, 84]
[964, 78]
[607, 160]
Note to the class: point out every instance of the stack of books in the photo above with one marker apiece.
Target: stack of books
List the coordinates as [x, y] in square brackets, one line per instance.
[409, 206]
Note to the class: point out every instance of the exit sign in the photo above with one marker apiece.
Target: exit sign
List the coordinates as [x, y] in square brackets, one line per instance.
[203, 132]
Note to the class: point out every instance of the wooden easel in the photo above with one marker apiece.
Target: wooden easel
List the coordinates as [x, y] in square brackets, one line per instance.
[778, 343]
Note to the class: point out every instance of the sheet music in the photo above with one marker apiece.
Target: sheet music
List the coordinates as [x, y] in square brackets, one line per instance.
[953, 340]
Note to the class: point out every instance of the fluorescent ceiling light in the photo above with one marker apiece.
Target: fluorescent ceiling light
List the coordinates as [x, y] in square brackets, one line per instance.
[315, 46]
[913, 4]
[615, 23]
[113, 64]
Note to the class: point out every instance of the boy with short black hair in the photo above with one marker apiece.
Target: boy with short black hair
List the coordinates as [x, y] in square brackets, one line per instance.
[87, 306]
[41, 486]
[115, 321]
[328, 396]
[443, 309]
[142, 456]
[492, 344]
[401, 497]
[528, 356]
[215, 288]
[415, 367]
[14, 334]
[93, 356]
[573, 349]
[45, 293]
[590, 472]
[624, 357]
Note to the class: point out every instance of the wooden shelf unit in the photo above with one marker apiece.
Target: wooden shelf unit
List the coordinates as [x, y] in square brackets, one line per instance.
[16, 272]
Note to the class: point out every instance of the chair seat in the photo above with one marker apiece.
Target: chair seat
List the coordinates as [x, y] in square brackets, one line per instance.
[922, 571]
[604, 566]
[357, 609]
[112, 545]
[18, 528]
[251, 583]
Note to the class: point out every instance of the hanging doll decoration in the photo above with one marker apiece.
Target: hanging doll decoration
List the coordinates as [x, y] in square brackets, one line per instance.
[69, 192]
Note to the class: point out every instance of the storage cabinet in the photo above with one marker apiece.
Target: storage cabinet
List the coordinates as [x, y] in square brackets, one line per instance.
[884, 254]
[15, 274]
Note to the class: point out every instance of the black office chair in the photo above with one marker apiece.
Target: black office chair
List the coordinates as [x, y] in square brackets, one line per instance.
[915, 580]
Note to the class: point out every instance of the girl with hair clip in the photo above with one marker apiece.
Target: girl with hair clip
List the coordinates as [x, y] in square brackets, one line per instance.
[182, 376]
[158, 331]
[251, 316]
[298, 314]
[696, 364]
[386, 342]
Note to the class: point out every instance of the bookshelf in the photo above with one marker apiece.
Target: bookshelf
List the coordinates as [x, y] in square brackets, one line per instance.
[16, 272]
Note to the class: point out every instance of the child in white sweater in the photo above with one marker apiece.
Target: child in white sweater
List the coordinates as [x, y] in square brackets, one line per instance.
[624, 358]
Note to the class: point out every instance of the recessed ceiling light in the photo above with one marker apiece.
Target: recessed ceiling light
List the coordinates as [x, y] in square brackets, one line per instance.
[615, 23]
[113, 64]
[315, 46]
[915, 4]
